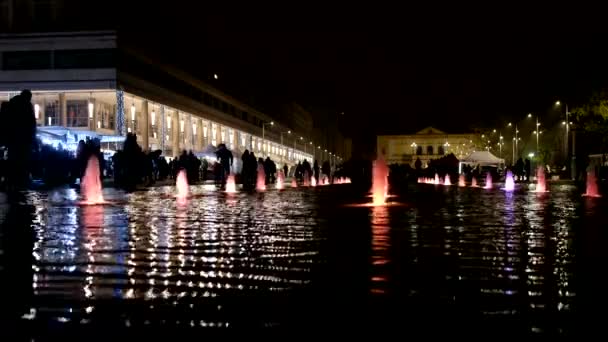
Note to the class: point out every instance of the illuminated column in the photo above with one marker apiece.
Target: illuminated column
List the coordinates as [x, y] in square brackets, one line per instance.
[145, 127]
[63, 104]
[175, 133]
[121, 123]
[188, 133]
[92, 112]
[163, 130]
[41, 116]
[196, 129]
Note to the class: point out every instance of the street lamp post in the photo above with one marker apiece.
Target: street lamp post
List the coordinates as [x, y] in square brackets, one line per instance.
[500, 145]
[566, 149]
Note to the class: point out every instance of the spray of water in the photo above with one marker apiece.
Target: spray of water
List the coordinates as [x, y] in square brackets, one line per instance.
[230, 184]
[461, 181]
[90, 186]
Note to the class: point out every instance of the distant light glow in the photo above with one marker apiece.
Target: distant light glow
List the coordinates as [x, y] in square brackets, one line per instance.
[37, 111]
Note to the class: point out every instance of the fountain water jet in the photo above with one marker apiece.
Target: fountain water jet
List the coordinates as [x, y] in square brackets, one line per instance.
[474, 182]
[461, 181]
[509, 182]
[541, 183]
[280, 179]
[447, 180]
[380, 181]
[230, 184]
[181, 184]
[436, 179]
[294, 184]
[313, 181]
[306, 178]
[90, 186]
[488, 181]
[260, 184]
[592, 190]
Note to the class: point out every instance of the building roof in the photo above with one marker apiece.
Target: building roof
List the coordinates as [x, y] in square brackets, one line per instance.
[430, 130]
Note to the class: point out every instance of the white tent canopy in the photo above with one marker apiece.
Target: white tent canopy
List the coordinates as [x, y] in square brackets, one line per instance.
[483, 158]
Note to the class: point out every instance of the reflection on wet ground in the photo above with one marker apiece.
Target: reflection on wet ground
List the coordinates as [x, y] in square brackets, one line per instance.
[463, 259]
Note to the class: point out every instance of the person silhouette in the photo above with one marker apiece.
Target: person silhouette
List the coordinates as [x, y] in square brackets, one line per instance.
[16, 241]
[19, 134]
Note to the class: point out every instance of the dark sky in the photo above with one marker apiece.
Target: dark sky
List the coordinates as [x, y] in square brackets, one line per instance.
[391, 70]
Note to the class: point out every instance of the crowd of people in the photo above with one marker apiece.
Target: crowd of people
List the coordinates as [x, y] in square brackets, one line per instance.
[251, 165]
[23, 157]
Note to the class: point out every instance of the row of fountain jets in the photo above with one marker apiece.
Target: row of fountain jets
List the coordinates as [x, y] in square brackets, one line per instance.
[91, 182]
[541, 182]
[183, 188]
[90, 186]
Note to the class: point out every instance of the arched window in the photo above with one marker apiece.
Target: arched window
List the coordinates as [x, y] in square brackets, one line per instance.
[419, 150]
[429, 149]
[440, 150]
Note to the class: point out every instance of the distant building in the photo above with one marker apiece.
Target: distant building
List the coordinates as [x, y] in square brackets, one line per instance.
[427, 144]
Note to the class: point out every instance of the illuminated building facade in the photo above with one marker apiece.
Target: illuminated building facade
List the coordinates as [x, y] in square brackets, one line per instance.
[427, 144]
[83, 85]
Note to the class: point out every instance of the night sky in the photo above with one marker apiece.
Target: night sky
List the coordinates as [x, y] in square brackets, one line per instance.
[389, 70]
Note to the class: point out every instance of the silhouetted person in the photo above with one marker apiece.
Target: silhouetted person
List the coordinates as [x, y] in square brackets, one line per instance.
[19, 137]
[226, 159]
[253, 165]
[285, 170]
[299, 172]
[326, 169]
[16, 243]
[528, 169]
[270, 169]
[418, 165]
[316, 170]
[246, 170]
[306, 170]
[130, 160]
[519, 168]
[204, 169]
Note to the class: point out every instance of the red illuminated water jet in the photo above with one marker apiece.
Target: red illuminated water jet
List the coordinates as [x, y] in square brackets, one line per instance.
[90, 186]
[181, 184]
[280, 179]
[592, 190]
[230, 184]
[260, 184]
[461, 181]
[379, 181]
[447, 180]
[488, 181]
[541, 183]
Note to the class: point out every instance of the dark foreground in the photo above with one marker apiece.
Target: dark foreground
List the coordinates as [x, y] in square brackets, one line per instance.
[447, 261]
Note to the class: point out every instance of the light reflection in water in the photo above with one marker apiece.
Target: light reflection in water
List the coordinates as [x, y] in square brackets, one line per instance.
[380, 249]
[504, 254]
